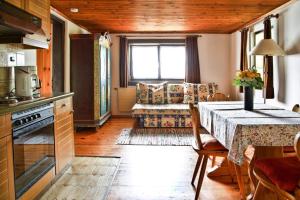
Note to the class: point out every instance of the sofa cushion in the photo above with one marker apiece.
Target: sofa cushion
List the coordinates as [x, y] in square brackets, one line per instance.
[165, 121]
[175, 93]
[202, 92]
[151, 93]
[160, 109]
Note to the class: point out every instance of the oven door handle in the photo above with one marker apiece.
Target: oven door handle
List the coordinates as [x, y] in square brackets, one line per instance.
[32, 127]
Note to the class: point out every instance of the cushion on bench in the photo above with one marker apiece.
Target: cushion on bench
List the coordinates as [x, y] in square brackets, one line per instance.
[160, 109]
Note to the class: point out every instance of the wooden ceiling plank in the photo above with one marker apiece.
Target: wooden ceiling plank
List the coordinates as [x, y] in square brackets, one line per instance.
[215, 16]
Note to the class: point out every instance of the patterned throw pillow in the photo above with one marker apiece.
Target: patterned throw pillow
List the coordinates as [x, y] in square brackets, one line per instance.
[202, 92]
[151, 93]
[212, 88]
[194, 93]
[190, 91]
[142, 93]
[175, 93]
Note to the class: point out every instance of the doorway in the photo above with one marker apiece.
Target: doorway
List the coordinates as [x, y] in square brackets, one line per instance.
[58, 47]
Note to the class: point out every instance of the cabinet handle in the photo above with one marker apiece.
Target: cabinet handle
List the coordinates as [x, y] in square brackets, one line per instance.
[63, 105]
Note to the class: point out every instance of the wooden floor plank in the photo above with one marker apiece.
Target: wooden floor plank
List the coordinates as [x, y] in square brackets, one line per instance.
[149, 172]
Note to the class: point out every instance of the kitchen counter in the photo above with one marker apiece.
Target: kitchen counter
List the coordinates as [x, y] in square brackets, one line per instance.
[32, 103]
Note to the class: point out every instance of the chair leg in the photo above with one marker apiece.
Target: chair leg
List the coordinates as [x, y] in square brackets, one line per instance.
[196, 168]
[213, 161]
[201, 176]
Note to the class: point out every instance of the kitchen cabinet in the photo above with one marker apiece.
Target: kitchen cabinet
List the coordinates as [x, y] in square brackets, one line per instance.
[6, 159]
[90, 80]
[17, 3]
[63, 133]
[39, 8]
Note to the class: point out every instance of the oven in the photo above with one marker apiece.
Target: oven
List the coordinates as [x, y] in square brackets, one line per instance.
[33, 145]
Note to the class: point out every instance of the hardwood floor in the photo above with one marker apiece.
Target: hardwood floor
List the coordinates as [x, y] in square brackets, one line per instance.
[149, 172]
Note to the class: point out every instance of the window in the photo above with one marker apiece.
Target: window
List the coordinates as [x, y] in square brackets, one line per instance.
[258, 61]
[152, 60]
[256, 35]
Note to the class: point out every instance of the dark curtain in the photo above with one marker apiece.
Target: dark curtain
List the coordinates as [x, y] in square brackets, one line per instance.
[269, 88]
[123, 62]
[244, 55]
[192, 70]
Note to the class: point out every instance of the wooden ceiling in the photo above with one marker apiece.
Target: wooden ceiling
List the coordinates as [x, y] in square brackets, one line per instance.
[150, 16]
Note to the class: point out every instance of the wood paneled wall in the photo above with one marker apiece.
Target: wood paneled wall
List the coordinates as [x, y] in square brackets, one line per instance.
[44, 66]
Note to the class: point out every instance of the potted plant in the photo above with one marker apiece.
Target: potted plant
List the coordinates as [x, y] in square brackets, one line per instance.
[249, 79]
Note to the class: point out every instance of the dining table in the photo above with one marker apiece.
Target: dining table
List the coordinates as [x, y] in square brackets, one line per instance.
[267, 128]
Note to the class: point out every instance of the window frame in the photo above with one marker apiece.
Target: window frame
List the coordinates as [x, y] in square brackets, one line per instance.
[256, 29]
[151, 42]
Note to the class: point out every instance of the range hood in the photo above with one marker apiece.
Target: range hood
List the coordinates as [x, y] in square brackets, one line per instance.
[20, 27]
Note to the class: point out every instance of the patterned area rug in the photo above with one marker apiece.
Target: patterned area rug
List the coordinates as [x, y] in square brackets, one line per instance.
[87, 178]
[156, 136]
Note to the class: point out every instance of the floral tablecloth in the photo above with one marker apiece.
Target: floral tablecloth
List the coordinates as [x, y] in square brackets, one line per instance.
[236, 128]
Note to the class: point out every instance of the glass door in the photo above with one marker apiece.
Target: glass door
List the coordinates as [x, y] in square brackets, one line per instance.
[103, 80]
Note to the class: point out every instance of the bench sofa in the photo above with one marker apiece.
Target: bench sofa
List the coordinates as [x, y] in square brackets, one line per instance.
[166, 105]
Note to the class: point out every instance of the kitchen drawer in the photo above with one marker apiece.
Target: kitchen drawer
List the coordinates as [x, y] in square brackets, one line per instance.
[5, 125]
[63, 106]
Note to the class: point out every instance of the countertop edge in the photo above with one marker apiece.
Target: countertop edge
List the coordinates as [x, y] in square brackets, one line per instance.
[9, 109]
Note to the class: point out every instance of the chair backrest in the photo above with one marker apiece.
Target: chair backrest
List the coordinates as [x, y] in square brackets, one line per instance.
[296, 108]
[217, 97]
[297, 145]
[196, 124]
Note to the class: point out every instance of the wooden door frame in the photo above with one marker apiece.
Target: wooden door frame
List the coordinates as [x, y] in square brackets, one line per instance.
[57, 19]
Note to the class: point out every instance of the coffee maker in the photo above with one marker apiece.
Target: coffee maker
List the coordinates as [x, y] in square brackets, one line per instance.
[27, 82]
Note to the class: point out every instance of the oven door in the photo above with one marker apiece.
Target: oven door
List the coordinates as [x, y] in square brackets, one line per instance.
[33, 148]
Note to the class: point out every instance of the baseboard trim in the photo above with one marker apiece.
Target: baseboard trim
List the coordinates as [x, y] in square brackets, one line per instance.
[121, 116]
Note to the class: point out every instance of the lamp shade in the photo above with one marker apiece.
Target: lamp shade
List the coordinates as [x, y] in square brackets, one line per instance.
[267, 47]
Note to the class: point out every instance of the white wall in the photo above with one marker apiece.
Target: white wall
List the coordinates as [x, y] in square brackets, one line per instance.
[287, 72]
[214, 57]
[70, 28]
[235, 49]
[287, 68]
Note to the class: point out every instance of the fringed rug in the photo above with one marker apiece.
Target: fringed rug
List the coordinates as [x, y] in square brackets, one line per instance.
[87, 178]
[156, 136]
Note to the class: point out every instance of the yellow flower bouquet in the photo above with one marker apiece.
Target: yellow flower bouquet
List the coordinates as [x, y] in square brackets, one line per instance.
[249, 78]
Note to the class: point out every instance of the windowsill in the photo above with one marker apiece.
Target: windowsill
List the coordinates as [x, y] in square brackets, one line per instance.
[155, 81]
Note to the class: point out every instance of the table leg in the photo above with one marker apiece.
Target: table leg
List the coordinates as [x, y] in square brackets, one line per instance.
[240, 181]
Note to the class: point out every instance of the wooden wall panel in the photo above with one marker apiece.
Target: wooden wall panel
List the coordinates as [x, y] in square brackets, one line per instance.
[44, 66]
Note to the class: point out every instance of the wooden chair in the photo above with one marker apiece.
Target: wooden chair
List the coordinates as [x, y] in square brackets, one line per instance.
[296, 108]
[280, 175]
[289, 150]
[218, 97]
[205, 145]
